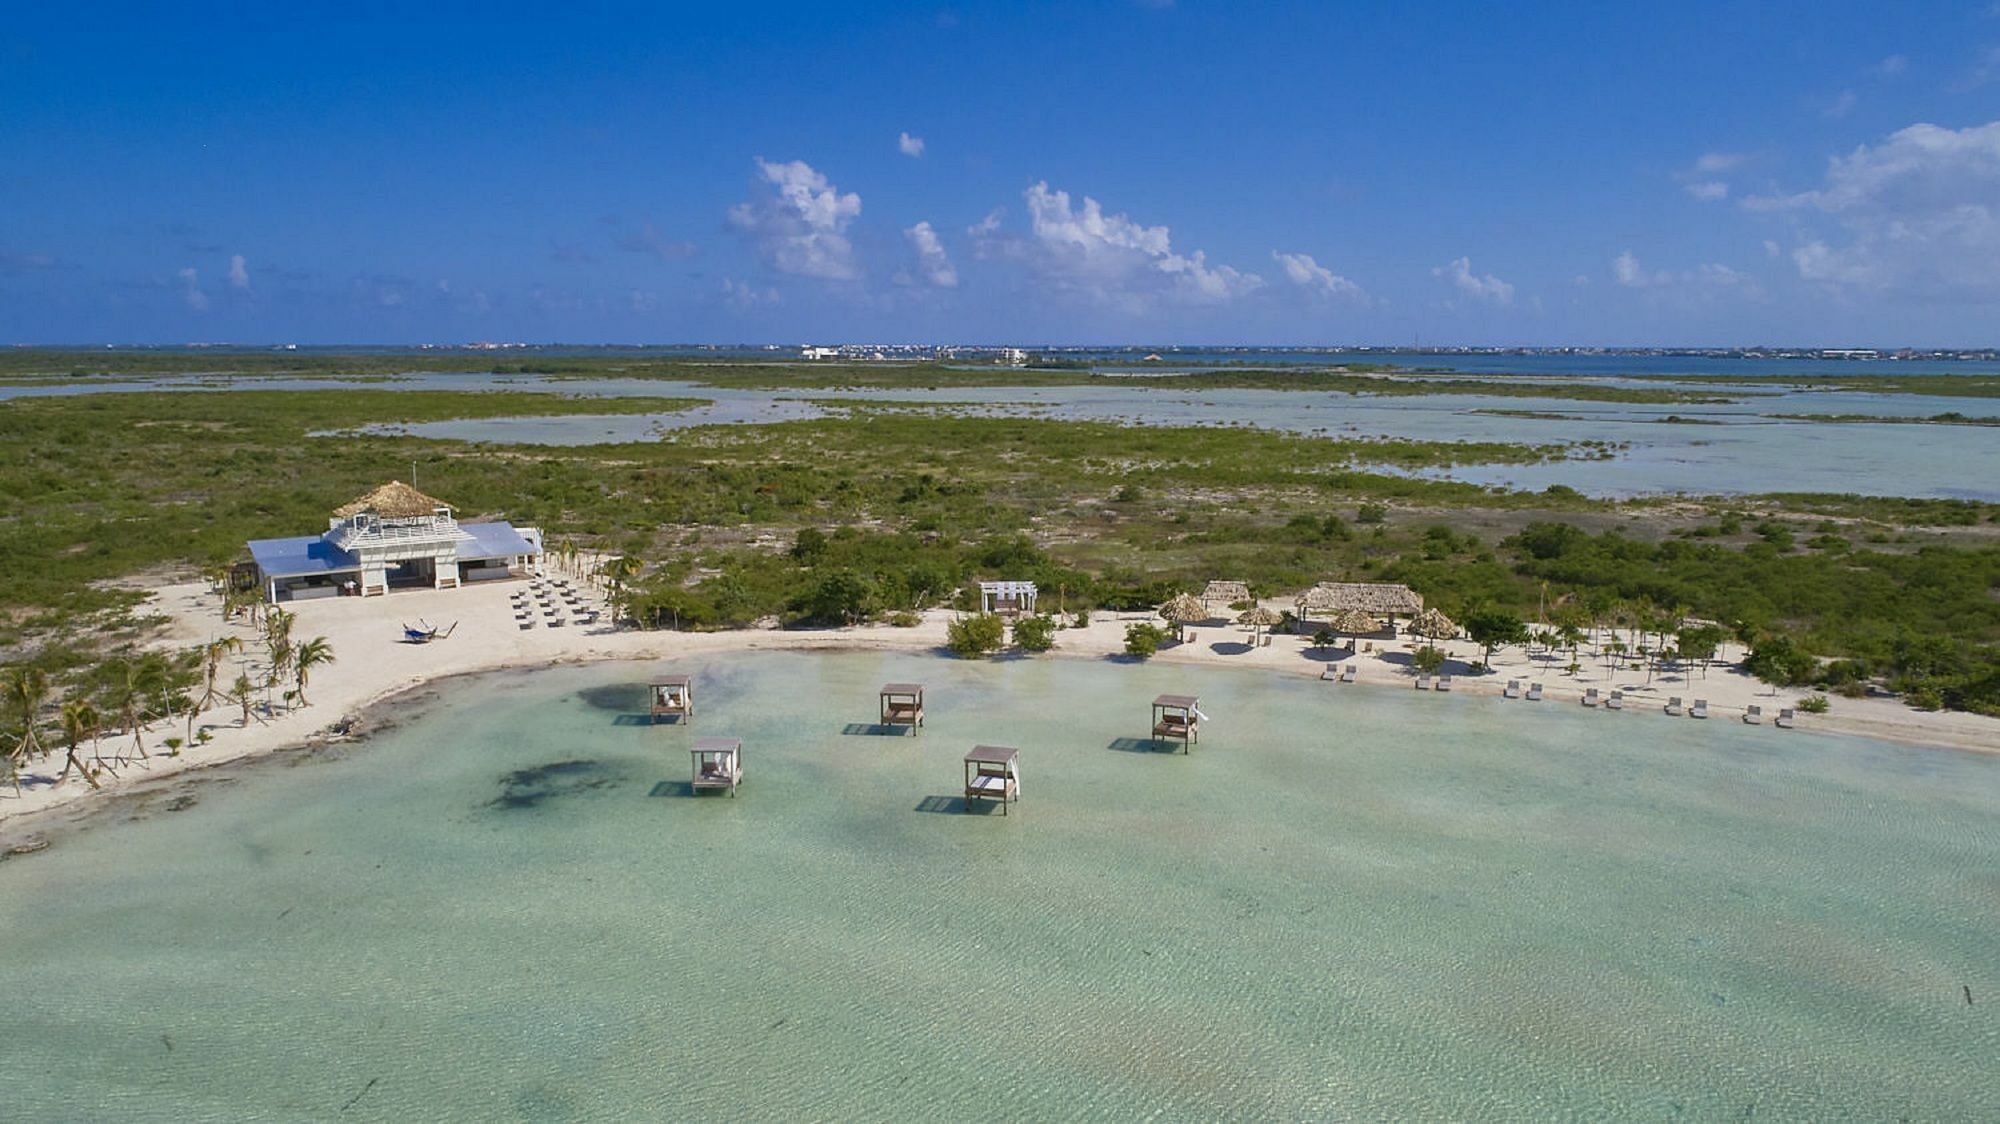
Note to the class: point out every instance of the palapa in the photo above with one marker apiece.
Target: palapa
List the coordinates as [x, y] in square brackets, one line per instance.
[1258, 617]
[1229, 593]
[1379, 598]
[1354, 622]
[1184, 608]
[394, 500]
[1433, 625]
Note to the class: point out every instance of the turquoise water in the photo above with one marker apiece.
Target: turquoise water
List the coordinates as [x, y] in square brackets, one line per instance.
[1346, 902]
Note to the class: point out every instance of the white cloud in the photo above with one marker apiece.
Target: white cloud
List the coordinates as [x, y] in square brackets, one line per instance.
[1771, 249]
[1487, 288]
[191, 289]
[909, 145]
[1842, 104]
[1917, 214]
[801, 227]
[743, 295]
[1112, 258]
[1708, 278]
[1700, 179]
[1303, 270]
[1890, 66]
[239, 272]
[932, 262]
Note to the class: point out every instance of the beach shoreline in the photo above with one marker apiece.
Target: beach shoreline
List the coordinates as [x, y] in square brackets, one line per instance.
[375, 674]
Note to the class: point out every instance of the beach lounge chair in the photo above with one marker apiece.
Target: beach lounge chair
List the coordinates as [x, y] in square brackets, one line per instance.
[1423, 682]
[1534, 692]
[1674, 706]
[1699, 709]
[1615, 701]
[1330, 674]
[1347, 674]
[1754, 716]
[1444, 682]
[1590, 697]
[1513, 690]
[1785, 718]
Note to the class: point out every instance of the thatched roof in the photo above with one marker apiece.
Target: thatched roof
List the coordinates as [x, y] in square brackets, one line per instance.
[1433, 625]
[1184, 609]
[1259, 615]
[1226, 592]
[394, 500]
[1369, 597]
[1354, 622]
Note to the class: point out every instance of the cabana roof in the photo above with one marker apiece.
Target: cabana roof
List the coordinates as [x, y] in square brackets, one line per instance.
[1226, 592]
[394, 500]
[1369, 597]
[1182, 701]
[672, 680]
[902, 688]
[717, 745]
[992, 754]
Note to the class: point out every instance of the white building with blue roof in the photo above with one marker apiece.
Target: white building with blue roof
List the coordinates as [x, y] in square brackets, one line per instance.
[395, 537]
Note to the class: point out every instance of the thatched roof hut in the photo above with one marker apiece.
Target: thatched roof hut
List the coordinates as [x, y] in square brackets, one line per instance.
[394, 500]
[1433, 625]
[1378, 598]
[1354, 622]
[1229, 593]
[1184, 609]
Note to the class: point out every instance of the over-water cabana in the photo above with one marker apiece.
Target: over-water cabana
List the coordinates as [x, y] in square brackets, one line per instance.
[718, 763]
[903, 705]
[395, 537]
[1176, 718]
[673, 697]
[1010, 599]
[993, 772]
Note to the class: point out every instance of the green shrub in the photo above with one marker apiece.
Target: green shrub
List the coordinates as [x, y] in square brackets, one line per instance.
[1372, 513]
[1143, 639]
[1035, 634]
[905, 619]
[1426, 660]
[978, 635]
[1813, 704]
[1083, 618]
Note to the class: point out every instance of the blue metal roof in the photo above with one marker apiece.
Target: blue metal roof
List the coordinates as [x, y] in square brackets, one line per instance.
[298, 557]
[493, 540]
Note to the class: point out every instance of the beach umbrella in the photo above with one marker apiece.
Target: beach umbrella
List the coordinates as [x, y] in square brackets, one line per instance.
[1184, 609]
[1258, 618]
[1353, 622]
[1433, 625]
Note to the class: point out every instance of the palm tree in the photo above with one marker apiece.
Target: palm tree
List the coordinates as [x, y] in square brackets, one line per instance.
[138, 680]
[78, 718]
[278, 643]
[242, 691]
[213, 651]
[309, 655]
[27, 689]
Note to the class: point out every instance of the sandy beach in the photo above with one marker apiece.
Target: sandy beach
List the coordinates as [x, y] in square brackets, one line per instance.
[373, 664]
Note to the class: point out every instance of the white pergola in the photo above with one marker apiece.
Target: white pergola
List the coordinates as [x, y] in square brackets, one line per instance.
[1011, 597]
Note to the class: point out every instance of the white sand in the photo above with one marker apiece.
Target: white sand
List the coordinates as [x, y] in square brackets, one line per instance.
[372, 663]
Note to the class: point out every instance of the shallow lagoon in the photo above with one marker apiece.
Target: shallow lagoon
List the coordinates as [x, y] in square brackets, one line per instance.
[1346, 902]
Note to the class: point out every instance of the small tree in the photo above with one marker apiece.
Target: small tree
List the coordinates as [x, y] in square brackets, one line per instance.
[243, 691]
[1143, 639]
[1494, 628]
[1035, 634]
[1426, 660]
[1323, 638]
[309, 655]
[980, 634]
[1700, 643]
[1779, 661]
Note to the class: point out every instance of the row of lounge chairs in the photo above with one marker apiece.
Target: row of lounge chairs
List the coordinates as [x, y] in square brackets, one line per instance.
[1337, 673]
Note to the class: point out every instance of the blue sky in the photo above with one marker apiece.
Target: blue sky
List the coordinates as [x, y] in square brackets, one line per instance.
[1189, 172]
